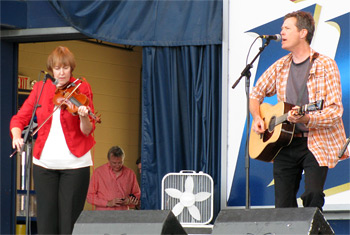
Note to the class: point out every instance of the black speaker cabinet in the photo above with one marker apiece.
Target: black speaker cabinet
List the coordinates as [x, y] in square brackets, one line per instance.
[272, 221]
[128, 222]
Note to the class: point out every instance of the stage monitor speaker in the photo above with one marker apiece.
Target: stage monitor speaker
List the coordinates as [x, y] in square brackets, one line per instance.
[128, 222]
[272, 221]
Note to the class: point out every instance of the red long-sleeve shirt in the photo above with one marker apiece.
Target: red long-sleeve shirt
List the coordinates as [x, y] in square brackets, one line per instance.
[105, 186]
[77, 142]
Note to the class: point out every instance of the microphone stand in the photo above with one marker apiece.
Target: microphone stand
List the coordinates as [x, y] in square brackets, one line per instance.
[28, 142]
[246, 73]
[342, 151]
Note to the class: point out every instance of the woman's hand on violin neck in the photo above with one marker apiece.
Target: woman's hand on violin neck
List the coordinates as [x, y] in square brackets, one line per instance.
[85, 123]
[83, 111]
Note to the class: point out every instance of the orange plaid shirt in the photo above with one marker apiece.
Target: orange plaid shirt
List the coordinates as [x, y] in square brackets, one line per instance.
[326, 129]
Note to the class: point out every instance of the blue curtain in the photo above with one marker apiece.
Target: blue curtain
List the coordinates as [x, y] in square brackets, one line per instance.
[146, 23]
[181, 116]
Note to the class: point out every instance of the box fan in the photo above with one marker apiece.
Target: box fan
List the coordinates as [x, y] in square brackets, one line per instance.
[190, 197]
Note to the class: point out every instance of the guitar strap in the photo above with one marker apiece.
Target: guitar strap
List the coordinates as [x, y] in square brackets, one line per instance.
[305, 80]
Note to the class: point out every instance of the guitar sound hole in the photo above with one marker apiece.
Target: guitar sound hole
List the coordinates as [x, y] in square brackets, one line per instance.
[270, 129]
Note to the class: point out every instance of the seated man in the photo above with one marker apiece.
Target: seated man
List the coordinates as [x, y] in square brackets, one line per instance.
[112, 185]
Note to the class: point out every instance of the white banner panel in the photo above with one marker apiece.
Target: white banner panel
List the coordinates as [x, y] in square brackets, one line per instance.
[247, 20]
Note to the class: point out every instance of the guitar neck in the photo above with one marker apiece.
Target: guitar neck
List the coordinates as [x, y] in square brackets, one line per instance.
[281, 119]
[318, 105]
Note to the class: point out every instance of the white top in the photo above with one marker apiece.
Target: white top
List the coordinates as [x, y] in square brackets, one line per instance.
[55, 154]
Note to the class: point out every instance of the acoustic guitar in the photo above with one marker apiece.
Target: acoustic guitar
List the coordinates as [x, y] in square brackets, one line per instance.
[279, 132]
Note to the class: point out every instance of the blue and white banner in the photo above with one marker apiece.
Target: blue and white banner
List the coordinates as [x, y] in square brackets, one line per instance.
[247, 20]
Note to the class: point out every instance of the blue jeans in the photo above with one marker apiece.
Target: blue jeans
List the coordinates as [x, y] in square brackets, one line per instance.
[288, 167]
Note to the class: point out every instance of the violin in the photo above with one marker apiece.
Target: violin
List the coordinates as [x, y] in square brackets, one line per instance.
[69, 98]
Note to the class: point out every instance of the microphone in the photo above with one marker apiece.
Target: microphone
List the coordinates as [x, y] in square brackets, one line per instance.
[342, 151]
[48, 76]
[275, 37]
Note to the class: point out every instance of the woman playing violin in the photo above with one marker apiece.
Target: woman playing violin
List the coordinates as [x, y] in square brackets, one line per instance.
[61, 155]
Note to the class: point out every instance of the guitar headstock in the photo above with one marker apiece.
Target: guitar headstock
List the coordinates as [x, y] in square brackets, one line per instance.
[314, 106]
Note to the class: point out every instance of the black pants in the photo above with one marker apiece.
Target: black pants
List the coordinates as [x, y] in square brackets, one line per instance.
[288, 167]
[61, 196]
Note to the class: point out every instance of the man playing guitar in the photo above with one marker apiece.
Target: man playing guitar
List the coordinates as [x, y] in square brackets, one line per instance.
[301, 77]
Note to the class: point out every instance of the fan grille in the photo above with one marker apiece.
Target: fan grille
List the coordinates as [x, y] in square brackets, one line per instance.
[202, 183]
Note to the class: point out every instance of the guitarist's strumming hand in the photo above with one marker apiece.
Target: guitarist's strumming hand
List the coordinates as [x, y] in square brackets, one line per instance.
[258, 125]
[295, 117]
